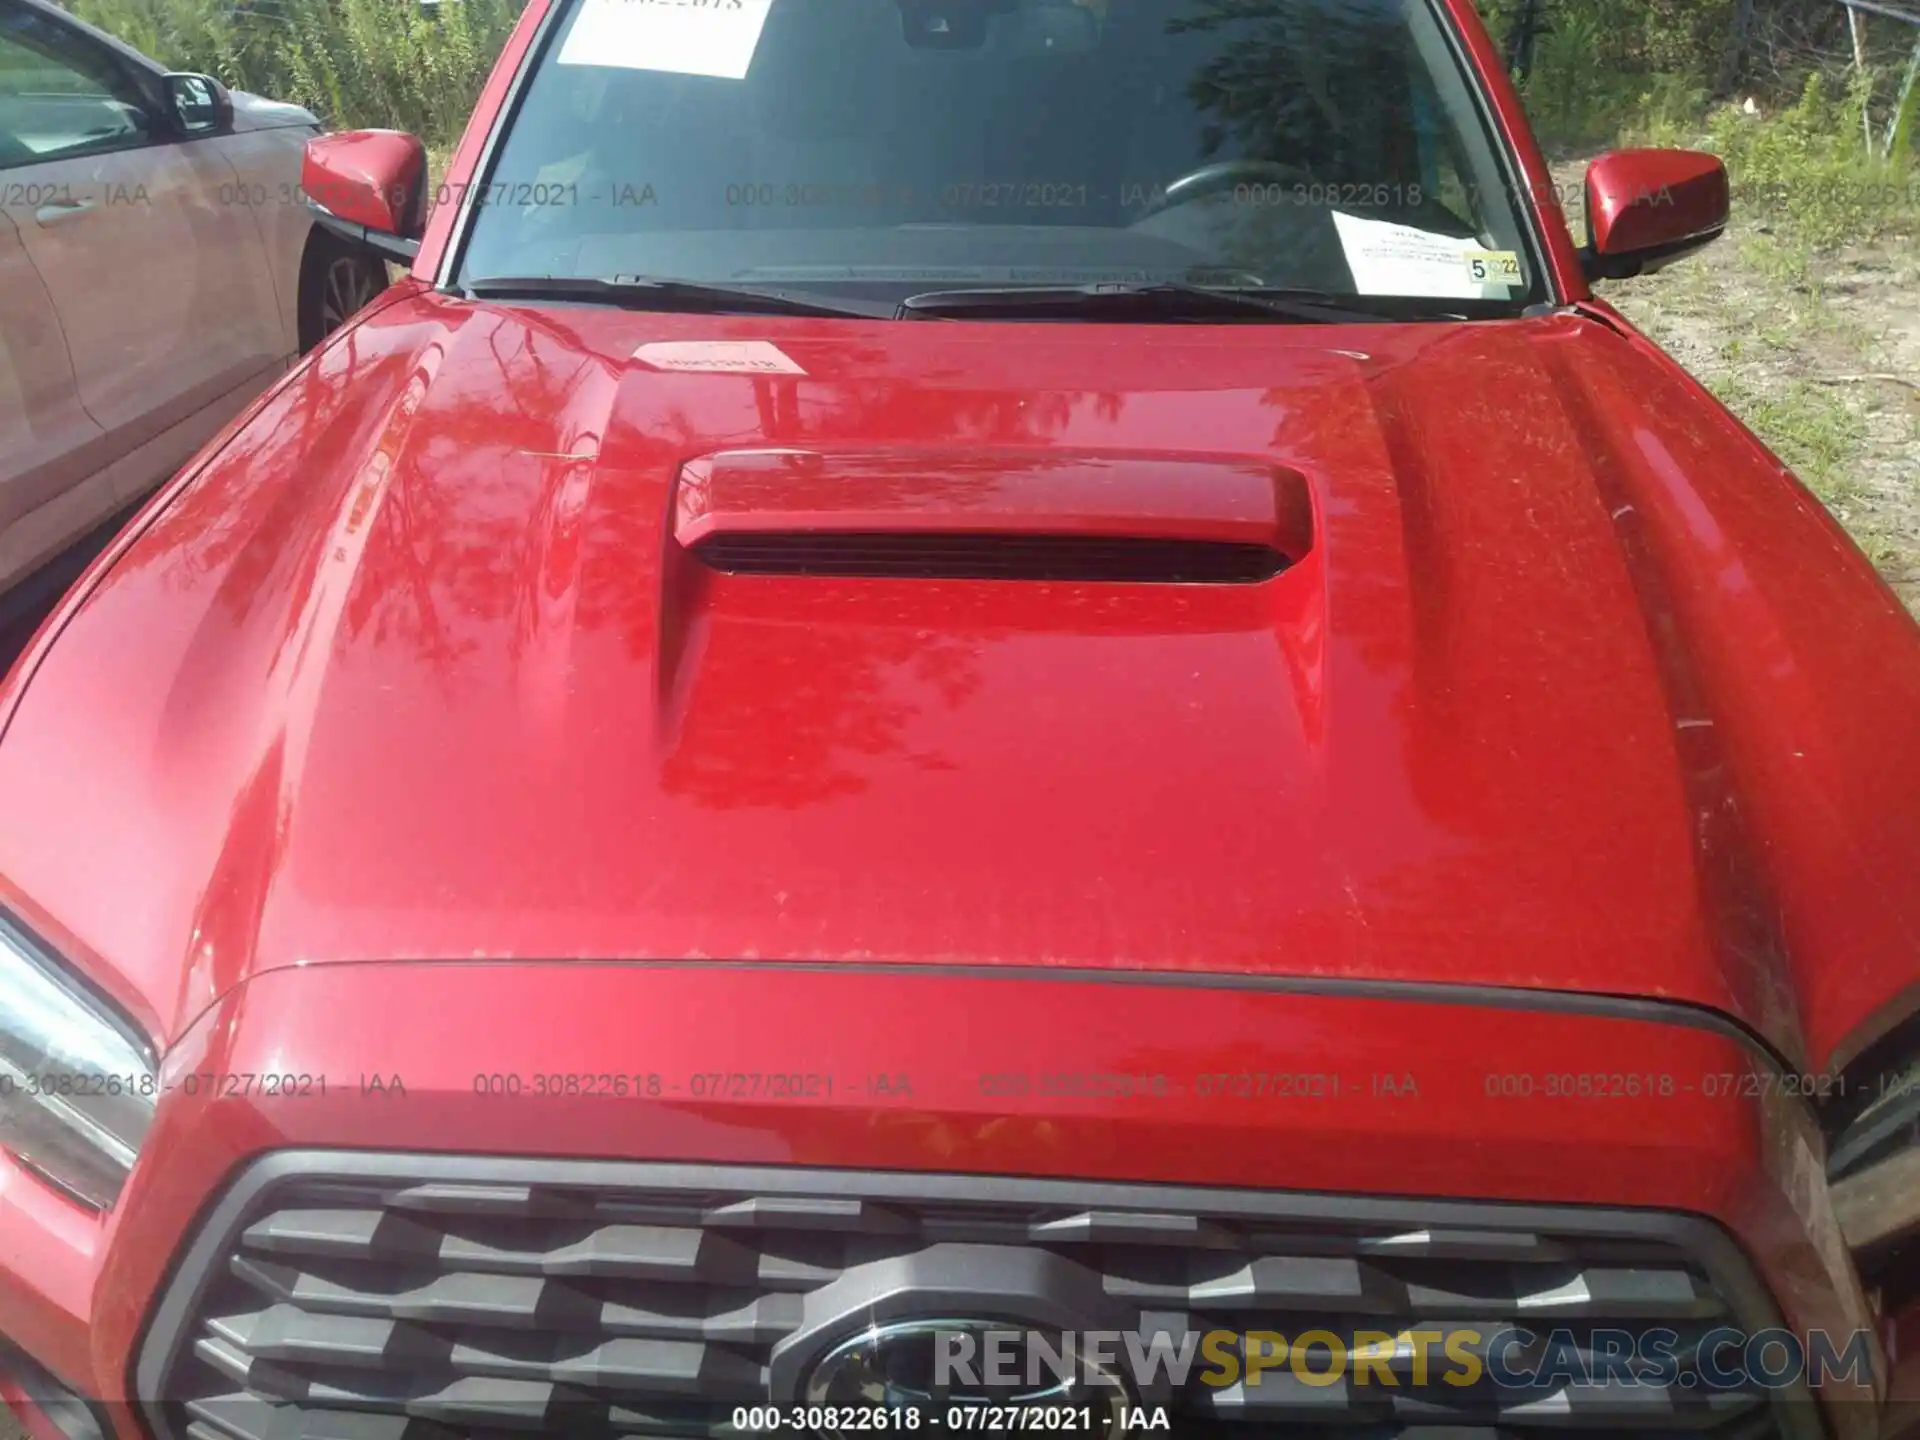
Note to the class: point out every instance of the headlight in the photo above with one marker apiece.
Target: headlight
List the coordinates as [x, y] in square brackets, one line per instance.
[77, 1087]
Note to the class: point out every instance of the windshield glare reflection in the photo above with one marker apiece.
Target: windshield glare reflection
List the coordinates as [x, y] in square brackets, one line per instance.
[888, 147]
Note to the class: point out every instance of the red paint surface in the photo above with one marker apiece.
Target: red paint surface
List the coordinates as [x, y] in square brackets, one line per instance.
[1644, 199]
[25, 1411]
[918, 1065]
[414, 669]
[932, 491]
[375, 178]
[1572, 691]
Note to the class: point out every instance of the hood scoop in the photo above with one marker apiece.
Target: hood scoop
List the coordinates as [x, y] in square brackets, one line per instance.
[1008, 515]
[984, 556]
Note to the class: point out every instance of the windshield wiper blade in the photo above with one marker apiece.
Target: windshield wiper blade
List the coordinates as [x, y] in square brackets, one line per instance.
[1160, 300]
[646, 294]
[1157, 300]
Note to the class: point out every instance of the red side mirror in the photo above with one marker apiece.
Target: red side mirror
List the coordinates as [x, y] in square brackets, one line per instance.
[1647, 208]
[370, 185]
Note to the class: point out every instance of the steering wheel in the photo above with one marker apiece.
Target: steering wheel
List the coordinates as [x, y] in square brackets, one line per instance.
[1223, 175]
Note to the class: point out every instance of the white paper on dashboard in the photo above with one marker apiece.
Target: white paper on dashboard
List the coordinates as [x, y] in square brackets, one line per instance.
[679, 37]
[721, 357]
[1389, 259]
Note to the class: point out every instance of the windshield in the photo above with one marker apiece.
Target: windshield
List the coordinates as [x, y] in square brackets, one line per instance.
[885, 148]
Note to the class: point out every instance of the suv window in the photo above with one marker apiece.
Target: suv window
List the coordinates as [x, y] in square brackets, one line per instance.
[60, 95]
[893, 145]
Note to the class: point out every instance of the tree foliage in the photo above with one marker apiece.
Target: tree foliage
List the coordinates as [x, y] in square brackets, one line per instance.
[391, 63]
[1591, 66]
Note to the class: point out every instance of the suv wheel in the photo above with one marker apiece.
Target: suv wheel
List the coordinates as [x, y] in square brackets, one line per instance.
[335, 282]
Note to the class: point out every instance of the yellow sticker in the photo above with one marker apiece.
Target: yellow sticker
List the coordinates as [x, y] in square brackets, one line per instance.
[1493, 267]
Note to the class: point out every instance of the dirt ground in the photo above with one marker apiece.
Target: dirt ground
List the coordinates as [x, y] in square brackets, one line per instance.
[1819, 352]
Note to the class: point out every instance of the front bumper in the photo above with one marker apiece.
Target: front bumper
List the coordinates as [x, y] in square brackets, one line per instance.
[1184, 1080]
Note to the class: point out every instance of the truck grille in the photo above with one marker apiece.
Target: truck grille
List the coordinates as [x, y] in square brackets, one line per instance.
[384, 1297]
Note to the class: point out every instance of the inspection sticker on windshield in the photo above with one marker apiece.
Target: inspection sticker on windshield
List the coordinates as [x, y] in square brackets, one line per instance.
[1389, 259]
[679, 37]
[719, 357]
[1493, 267]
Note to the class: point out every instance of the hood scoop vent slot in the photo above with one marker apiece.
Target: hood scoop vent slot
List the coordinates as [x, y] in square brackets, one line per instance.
[1007, 515]
[983, 556]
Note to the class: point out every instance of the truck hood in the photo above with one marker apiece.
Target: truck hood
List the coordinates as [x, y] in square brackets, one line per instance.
[416, 668]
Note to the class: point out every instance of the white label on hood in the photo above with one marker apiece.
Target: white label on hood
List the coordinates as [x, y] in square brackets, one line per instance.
[1389, 259]
[721, 357]
[680, 37]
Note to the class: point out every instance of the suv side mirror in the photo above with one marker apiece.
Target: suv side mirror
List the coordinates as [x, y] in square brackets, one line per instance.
[370, 187]
[198, 104]
[1648, 208]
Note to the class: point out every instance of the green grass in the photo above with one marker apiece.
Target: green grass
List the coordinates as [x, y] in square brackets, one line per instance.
[1806, 170]
[384, 63]
[1800, 169]
[1809, 426]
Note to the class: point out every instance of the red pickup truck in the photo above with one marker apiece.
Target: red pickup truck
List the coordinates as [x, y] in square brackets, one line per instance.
[957, 672]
